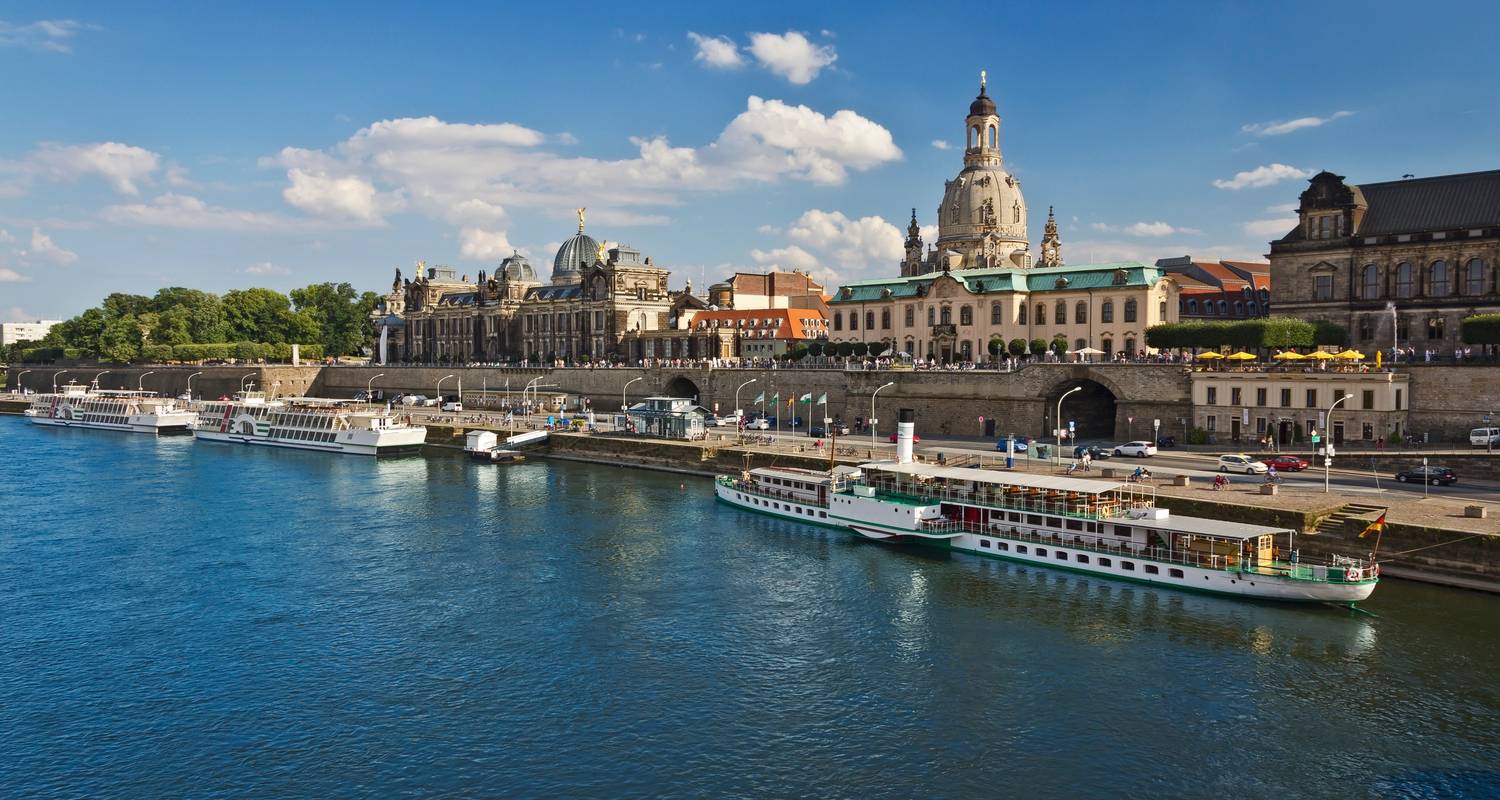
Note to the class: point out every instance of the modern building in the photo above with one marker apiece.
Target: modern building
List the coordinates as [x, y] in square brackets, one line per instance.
[1398, 262]
[1220, 290]
[35, 331]
[669, 418]
[1241, 406]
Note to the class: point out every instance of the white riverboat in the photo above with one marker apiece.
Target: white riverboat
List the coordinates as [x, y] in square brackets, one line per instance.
[78, 406]
[307, 423]
[1101, 527]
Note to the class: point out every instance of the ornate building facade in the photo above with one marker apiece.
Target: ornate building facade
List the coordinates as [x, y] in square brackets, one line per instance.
[1398, 262]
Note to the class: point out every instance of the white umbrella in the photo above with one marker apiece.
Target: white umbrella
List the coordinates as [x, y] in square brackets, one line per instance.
[1089, 351]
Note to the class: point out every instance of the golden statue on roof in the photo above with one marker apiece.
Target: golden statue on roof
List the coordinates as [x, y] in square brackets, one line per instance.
[580, 218]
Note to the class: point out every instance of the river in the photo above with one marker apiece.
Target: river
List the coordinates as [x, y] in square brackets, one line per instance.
[188, 619]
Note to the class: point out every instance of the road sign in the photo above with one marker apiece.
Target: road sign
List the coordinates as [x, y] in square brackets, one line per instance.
[1130, 420]
[1156, 424]
[981, 418]
[1071, 426]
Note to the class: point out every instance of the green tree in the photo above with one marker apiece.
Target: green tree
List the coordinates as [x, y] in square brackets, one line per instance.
[1037, 346]
[120, 341]
[341, 315]
[201, 312]
[1017, 347]
[264, 315]
[1059, 344]
[795, 352]
[877, 349]
[1481, 329]
[120, 305]
[996, 346]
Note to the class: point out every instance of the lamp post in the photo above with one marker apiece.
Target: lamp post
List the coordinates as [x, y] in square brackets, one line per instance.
[1328, 448]
[439, 390]
[243, 378]
[370, 388]
[872, 420]
[140, 381]
[737, 395]
[622, 392]
[190, 385]
[1057, 457]
[54, 379]
[97, 377]
[19, 375]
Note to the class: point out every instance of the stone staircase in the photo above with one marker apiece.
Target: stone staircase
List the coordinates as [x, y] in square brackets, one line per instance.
[1336, 521]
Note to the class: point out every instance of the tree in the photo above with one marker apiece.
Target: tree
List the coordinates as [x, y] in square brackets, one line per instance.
[1037, 346]
[1480, 329]
[263, 315]
[1059, 344]
[795, 352]
[341, 315]
[202, 313]
[996, 346]
[878, 348]
[120, 340]
[119, 305]
[1328, 333]
[1017, 347]
[815, 347]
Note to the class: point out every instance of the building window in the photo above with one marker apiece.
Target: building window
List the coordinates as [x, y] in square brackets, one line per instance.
[1108, 346]
[1161, 310]
[1369, 282]
[911, 316]
[885, 319]
[1260, 395]
[853, 320]
[1398, 400]
[945, 315]
[1286, 398]
[1208, 308]
[1435, 328]
[995, 313]
[1213, 395]
[1021, 315]
[1403, 280]
[1107, 311]
[1474, 277]
[1041, 314]
[1130, 346]
[1403, 327]
[870, 321]
[1366, 328]
[1060, 313]
[967, 350]
[1439, 283]
[1079, 344]
[1323, 287]
[838, 321]
[1192, 307]
[1235, 396]
[1367, 399]
[1130, 311]
[1081, 313]
[1223, 311]
[931, 316]
[1312, 398]
[966, 316]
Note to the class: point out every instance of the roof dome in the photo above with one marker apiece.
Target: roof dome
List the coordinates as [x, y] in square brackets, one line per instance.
[517, 269]
[982, 106]
[575, 254]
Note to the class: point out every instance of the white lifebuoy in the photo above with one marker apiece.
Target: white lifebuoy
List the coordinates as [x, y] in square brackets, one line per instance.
[1351, 574]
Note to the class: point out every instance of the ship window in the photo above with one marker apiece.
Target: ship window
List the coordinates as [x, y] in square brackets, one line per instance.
[985, 543]
[1041, 551]
[1061, 556]
[823, 514]
[1002, 546]
[1104, 562]
[1152, 570]
[1033, 519]
[1176, 573]
[1054, 522]
[1122, 530]
[1075, 524]
[1081, 558]
[1021, 548]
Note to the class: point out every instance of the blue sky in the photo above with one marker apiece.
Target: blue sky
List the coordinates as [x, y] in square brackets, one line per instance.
[223, 145]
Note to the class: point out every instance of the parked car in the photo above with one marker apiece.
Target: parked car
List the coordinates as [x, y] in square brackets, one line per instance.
[1166, 441]
[1286, 463]
[414, 400]
[822, 430]
[914, 437]
[1021, 443]
[1136, 449]
[758, 424]
[1094, 451]
[1480, 437]
[453, 405]
[1432, 475]
[1239, 462]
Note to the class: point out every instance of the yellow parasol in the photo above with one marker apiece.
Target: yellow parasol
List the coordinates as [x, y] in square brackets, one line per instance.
[1289, 355]
[1210, 354]
[1241, 356]
[1321, 355]
[1378, 359]
[1350, 355]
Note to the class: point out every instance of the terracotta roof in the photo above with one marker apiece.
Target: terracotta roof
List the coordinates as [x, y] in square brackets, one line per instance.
[767, 323]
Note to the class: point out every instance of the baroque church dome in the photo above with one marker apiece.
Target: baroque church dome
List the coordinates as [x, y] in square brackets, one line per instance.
[575, 254]
[983, 213]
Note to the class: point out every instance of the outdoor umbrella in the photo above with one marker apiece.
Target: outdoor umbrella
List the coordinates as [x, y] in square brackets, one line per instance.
[1210, 354]
[1350, 355]
[1241, 356]
[1289, 355]
[1321, 355]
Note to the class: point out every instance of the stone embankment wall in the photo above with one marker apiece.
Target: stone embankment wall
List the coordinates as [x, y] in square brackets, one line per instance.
[209, 382]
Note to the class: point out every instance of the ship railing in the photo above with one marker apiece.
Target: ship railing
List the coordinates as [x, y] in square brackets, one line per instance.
[1028, 505]
[751, 487]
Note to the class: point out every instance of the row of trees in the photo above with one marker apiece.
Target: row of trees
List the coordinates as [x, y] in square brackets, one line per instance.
[1481, 329]
[325, 318]
[1249, 334]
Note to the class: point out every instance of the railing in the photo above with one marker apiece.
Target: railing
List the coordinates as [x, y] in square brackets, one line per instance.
[1105, 510]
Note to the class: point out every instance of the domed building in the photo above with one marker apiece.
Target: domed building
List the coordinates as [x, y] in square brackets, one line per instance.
[576, 255]
[517, 269]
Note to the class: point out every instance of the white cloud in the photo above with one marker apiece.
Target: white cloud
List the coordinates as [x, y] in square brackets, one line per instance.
[772, 139]
[347, 196]
[8, 275]
[483, 245]
[929, 233]
[765, 230]
[1282, 128]
[941, 144]
[566, 138]
[177, 177]
[44, 249]
[719, 52]
[50, 35]
[122, 165]
[1284, 208]
[1270, 227]
[5, 237]
[1267, 175]
[267, 268]
[867, 242]
[791, 55]
[474, 210]
[786, 258]
[1150, 229]
[184, 211]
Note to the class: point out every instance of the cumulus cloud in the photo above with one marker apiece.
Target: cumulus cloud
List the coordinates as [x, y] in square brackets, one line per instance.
[719, 52]
[48, 35]
[864, 242]
[1145, 229]
[188, 212]
[46, 250]
[771, 139]
[941, 144]
[8, 275]
[791, 55]
[346, 196]
[1291, 125]
[1270, 227]
[1283, 208]
[1267, 175]
[122, 165]
[483, 245]
[267, 268]
[787, 259]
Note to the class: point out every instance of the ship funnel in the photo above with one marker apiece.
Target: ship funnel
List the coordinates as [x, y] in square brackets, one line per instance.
[906, 427]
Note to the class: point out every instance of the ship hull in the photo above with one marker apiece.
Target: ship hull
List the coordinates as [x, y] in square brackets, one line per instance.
[392, 448]
[165, 428]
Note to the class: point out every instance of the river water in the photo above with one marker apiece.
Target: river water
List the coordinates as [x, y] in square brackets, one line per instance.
[187, 619]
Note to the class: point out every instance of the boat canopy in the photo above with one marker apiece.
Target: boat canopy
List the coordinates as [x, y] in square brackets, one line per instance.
[996, 477]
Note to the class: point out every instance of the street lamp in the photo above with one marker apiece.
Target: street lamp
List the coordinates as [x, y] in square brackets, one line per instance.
[242, 382]
[97, 377]
[1328, 448]
[627, 386]
[190, 385]
[439, 389]
[18, 378]
[1057, 457]
[370, 388]
[737, 395]
[872, 414]
[54, 379]
[140, 381]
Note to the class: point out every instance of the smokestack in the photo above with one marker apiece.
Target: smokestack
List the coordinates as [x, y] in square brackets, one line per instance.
[906, 427]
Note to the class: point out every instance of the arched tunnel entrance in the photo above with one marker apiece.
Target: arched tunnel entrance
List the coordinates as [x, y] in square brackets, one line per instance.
[681, 387]
[1091, 409]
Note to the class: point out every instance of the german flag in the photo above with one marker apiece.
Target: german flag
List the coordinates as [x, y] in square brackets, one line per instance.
[1377, 526]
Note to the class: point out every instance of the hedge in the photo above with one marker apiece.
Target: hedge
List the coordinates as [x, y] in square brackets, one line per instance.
[1481, 329]
[1248, 334]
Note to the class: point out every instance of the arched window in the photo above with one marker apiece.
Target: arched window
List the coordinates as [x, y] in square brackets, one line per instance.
[885, 319]
[1079, 344]
[931, 316]
[869, 320]
[911, 318]
[1369, 282]
[995, 313]
[1192, 307]
[853, 320]
[1439, 284]
[1254, 309]
[1021, 315]
[1060, 313]
[1435, 328]
[1130, 346]
[946, 315]
[1474, 277]
[1223, 311]
[1239, 308]
[911, 347]
[1130, 310]
[1161, 310]
[1108, 346]
[1404, 287]
[966, 315]
[1081, 313]
[1107, 312]
[967, 350]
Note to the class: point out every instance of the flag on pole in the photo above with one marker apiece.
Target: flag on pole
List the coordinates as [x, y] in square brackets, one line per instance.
[1378, 526]
[776, 398]
[760, 398]
[823, 399]
[806, 398]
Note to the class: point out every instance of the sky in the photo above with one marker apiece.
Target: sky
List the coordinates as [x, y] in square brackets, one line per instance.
[224, 145]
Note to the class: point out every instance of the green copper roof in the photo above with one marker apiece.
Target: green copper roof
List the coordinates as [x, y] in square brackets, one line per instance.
[1007, 279]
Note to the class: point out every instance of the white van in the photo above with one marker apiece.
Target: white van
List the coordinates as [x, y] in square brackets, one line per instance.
[1479, 437]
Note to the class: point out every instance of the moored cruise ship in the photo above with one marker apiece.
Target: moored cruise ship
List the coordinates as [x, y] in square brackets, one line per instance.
[307, 423]
[1096, 526]
[77, 406]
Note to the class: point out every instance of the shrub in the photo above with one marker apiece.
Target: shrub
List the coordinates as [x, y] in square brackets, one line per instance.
[1037, 346]
[157, 353]
[878, 348]
[1017, 347]
[1197, 436]
[1481, 329]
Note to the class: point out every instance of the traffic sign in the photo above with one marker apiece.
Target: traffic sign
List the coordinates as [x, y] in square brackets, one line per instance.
[1070, 425]
[981, 418]
[1131, 420]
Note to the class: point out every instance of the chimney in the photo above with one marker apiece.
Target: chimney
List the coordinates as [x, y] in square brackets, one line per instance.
[905, 427]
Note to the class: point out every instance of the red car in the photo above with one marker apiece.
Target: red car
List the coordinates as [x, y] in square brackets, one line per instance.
[1286, 463]
[915, 439]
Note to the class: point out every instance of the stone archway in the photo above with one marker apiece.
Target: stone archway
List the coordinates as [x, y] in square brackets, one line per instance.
[681, 387]
[1092, 409]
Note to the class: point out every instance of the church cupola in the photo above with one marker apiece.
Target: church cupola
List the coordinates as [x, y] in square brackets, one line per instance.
[982, 134]
[912, 264]
[1051, 244]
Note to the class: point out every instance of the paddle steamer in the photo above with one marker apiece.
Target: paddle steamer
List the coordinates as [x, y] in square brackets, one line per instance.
[1114, 529]
[307, 423]
[78, 406]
